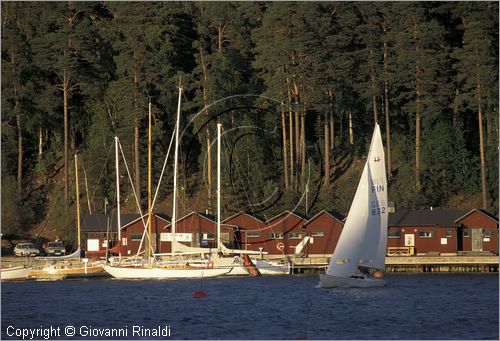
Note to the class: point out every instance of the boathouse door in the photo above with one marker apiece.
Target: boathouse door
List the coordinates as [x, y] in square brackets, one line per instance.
[477, 239]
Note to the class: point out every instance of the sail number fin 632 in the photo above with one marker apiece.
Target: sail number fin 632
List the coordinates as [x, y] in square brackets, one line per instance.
[378, 210]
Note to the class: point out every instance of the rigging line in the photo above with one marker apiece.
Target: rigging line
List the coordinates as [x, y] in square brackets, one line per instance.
[86, 187]
[162, 171]
[144, 223]
[130, 179]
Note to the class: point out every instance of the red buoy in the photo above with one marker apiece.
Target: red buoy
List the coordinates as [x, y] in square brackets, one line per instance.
[200, 294]
[378, 274]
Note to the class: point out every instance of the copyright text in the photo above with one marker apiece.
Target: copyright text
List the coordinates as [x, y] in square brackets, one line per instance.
[50, 332]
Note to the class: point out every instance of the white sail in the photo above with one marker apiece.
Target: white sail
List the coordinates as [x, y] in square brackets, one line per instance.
[363, 239]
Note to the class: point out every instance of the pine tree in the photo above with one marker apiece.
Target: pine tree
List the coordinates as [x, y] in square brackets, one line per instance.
[477, 65]
[421, 66]
[64, 48]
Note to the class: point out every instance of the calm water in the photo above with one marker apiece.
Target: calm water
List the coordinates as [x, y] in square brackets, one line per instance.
[418, 306]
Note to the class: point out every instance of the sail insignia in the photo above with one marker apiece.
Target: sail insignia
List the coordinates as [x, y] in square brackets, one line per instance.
[342, 261]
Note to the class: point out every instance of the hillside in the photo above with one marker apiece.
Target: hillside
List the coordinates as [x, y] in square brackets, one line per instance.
[344, 187]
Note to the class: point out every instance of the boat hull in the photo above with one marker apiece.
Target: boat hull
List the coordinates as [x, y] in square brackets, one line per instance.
[238, 269]
[329, 281]
[269, 269]
[162, 273]
[58, 273]
[16, 273]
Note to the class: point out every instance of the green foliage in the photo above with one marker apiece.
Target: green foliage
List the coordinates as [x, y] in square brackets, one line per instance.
[60, 220]
[11, 217]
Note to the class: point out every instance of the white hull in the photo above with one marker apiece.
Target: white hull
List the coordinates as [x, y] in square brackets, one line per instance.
[67, 270]
[234, 263]
[328, 281]
[16, 273]
[268, 268]
[162, 273]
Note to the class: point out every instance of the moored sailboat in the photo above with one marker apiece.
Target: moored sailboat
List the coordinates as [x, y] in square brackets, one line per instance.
[362, 243]
[69, 266]
[152, 267]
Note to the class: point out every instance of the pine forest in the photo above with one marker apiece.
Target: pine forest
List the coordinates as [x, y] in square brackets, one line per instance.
[297, 86]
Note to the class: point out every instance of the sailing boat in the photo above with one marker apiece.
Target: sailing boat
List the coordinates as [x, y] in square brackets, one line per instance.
[69, 266]
[237, 260]
[362, 243]
[151, 269]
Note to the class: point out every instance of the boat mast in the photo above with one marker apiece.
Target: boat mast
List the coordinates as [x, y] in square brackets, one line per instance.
[118, 214]
[77, 202]
[219, 125]
[176, 151]
[148, 253]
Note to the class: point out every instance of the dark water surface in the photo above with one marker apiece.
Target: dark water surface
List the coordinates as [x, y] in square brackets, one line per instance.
[417, 306]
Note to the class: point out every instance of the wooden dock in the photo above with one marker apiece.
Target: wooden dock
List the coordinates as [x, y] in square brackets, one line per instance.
[419, 263]
[441, 264]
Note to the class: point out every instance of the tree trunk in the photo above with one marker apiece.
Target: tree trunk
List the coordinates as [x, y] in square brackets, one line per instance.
[220, 37]
[418, 184]
[481, 140]
[327, 150]
[303, 150]
[283, 134]
[65, 100]
[40, 143]
[332, 131]
[290, 127]
[297, 123]
[386, 110]
[17, 111]
[351, 133]
[19, 145]
[374, 88]
[137, 151]
[207, 132]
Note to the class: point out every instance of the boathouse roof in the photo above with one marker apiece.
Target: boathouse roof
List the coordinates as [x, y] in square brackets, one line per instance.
[250, 214]
[487, 214]
[99, 222]
[332, 214]
[444, 218]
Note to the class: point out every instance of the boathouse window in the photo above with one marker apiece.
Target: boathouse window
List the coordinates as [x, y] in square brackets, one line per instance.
[317, 234]
[449, 234]
[394, 234]
[273, 235]
[295, 235]
[208, 236]
[487, 234]
[425, 234]
[136, 237]
[466, 233]
[253, 234]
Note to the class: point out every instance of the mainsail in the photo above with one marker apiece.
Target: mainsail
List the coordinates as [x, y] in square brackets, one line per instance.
[364, 237]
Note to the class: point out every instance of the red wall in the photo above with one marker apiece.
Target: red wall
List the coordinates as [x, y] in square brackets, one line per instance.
[284, 223]
[247, 223]
[331, 228]
[137, 228]
[477, 219]
[424, 244]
